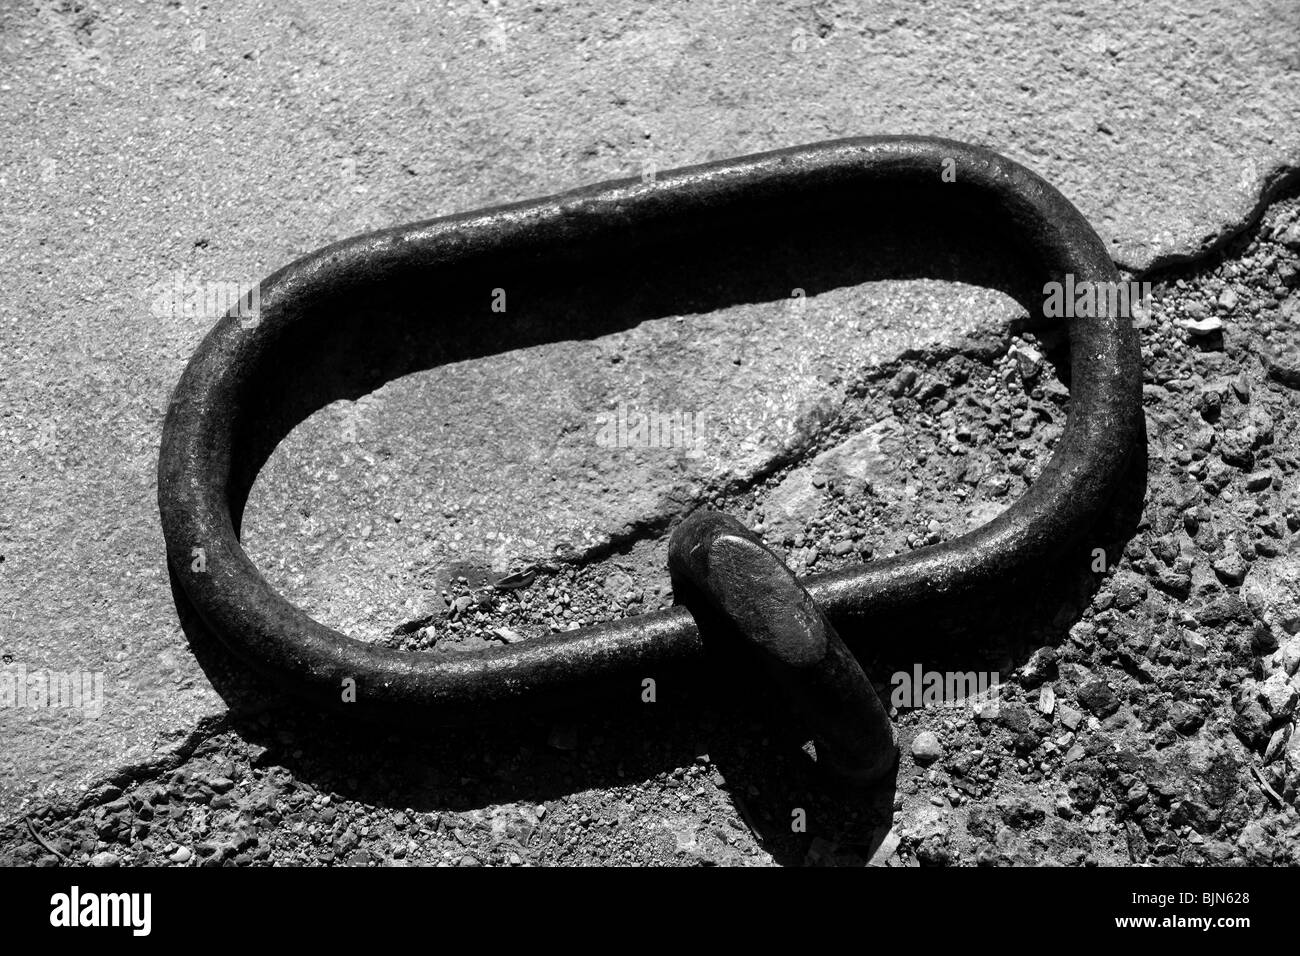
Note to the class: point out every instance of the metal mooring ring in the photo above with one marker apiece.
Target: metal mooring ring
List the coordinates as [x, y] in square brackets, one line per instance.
[224, 415]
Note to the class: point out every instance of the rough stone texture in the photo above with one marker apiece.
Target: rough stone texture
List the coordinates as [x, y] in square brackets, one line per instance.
[1272, 592]
[871, 458]
[150, 143]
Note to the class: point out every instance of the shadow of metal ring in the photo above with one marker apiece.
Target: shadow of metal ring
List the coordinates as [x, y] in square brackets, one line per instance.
[248, 382]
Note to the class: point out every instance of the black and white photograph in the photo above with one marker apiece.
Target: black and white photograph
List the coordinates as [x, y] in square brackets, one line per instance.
[649, 435]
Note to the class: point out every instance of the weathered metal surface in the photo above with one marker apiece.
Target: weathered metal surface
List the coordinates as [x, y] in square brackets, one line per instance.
[714, 557]
[343, 320]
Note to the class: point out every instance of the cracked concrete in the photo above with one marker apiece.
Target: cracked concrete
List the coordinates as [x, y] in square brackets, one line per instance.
[152, 143]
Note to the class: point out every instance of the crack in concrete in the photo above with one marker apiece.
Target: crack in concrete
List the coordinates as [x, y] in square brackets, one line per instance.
[99, 792]
[1276, 183]
[807, 443]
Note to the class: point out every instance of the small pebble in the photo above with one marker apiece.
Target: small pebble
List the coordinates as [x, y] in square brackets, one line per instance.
[1202, 327]
[1258, 481]
[1046, 700]
[926, 748]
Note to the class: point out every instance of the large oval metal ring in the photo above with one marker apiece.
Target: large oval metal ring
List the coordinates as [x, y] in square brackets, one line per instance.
[248, 383]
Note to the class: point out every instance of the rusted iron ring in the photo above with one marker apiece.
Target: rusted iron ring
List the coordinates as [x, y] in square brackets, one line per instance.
[213, 442]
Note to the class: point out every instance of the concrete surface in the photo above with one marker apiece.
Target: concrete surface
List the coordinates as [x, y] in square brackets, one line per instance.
[149, 143]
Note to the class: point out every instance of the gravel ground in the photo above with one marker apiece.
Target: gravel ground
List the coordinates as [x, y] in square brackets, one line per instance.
[1147, 698]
